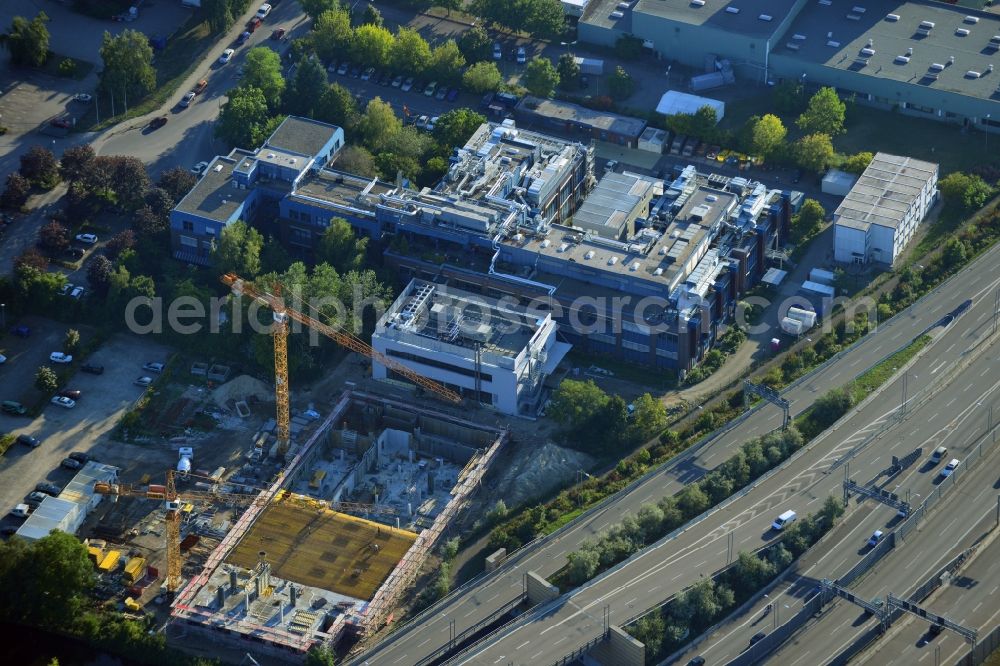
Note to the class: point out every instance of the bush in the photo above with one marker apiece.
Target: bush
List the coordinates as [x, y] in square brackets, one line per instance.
[67, 67]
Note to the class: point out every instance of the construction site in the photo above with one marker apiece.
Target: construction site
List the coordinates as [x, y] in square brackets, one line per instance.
[327, 549]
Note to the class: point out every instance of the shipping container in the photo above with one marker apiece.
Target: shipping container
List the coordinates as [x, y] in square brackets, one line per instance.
[110, 561]
[821, 276]
[135, 568]
[96, 555]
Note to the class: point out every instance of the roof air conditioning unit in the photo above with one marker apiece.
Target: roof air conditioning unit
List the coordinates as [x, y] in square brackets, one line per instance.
[868, 52]
[563, 247]
[623, 5]
[799, 38]
[634, 267]
[909, 51]
[951, 60]
[732, 10]
[765, 17]
[861, 62]
[545, 243]
[858, 10]
[612, 261]
[871, 42]
[792, 46]
[832, 44]
[972, 74]
[936, 67]
[826, 3]
[853, 17]
[995, 39]
[971, 19]
[962, 32]
[892, 18]
[698, 3]
[589, 255]
[902, 59]
[658, 271]
[989, 68]
[617, 15]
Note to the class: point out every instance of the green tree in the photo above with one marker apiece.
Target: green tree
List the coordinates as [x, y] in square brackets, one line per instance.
[307, 88]
[176, 182]
[447, 62]
[410, 52]
[767, 135]
[650, 631]
[357, 160]
[75, 161]
[219, 13]
[829, 407]
[44, 583]
[968, 191]
[40, 167]
[372, 45]
[628, 47]
[955, 253]
[455, 127]
[649, 418]
[858, 162]
[449, 5]
[789, 96]
[372, 16]
[337, 106]
[582, 565]
[824, 114]
[692, 501]
[540, 77]
[128, 65]
[244, 118]
[27, 41]
[316, 8]
[71, 340]
[262, 70]
[482, 77]
[569, 71]
[813, 152]
[545, 19]
[576, 402]
[46, 380]
[341, 247]
[379, 125]
[16, 191]
[331, 35]
[621, 84]
[808, 220]
[475, 44]
[320, 655]
[239, 249]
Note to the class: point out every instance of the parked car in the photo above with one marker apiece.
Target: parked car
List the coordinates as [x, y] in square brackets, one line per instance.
[264, 10]
[3, 359]
[28, 440]
[72, 394]
[48, 488]
[712, 152]
[35, 496]
[75, 253]
[278, 33]
[407, 84]
[421, 122]
[157, 123]
[522, 55]
[92, 369]
[88, 239]
[20, 511]
[950, 468]
[143, 381]
[344, 68]
[59, 357]
[77, 293]
[441, 93]
[153, 367]
[433, 123]
[199, 168]
[254, 23]
[83, 98]
[497, 51]
[242, 39]
[60, 122]
[385, 79]
[431, 87]
[69, 463]
[63, 401]
[758, 637]
[81, 457]
[367, 74]
[398, 81]
[65, 289]
[452, 95]
[355, 72]
[198, 89]
[226, 56]
[939, 454]
[20, 331]
[13, 407]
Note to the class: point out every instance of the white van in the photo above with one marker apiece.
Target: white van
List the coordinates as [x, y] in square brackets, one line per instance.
[783, 520]
[21, 511]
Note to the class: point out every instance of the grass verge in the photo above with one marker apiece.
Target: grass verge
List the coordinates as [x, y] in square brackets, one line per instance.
[881, 373]
[79, 70]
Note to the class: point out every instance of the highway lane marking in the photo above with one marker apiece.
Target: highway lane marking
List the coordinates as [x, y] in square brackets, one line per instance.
[500, 658]
[522, 645]
[629, 602]
[536, 655]
[427, 640]
[680, 575]
[977, 606]
[925, 655]
[939, 366]
[986, 371]
[654, 589]
[561, 640]
[400, 659]
[953, 400]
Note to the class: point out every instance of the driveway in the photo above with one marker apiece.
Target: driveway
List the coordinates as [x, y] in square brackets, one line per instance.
[86, 427]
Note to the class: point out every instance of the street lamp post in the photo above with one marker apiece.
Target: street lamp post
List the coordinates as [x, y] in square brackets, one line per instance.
[3, 315]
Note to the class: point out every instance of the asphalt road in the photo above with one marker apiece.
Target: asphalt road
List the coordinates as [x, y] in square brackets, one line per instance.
[631, 589]
[956, 417]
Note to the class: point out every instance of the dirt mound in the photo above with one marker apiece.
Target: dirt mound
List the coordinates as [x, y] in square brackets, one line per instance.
[531, 471]
[241, 388]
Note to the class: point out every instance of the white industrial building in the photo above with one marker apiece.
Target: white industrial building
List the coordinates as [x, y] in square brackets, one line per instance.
[490, 351]
[881, 212]
[68, 511]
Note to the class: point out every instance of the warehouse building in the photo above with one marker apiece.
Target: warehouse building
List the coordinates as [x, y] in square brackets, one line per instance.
[496, 353]
[881, 212]
[68, 511]
[589, 123]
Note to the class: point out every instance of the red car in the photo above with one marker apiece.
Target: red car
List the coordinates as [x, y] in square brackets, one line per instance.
[157, 123]
[60, 122]
[253, 24]
[279, 33]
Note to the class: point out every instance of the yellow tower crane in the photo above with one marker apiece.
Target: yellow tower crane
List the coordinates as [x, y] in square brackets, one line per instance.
[172, 499]
[279, 331]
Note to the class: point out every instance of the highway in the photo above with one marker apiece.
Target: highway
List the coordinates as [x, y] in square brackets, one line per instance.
[959, 427]
[702, 548]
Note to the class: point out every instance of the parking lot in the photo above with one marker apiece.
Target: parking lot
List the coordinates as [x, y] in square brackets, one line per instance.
[85, 427]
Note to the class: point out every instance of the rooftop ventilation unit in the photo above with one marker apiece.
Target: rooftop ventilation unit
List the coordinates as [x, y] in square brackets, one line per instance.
[962, 32]
[766, 17]
[868, 52]
[217, 168]
[658, 271]
[711, 198]
[871, 43]
[617, 15]
[858, 10]
[799, 38]
[854, 17]
[563, 247]
[589, 255]
[936, 67]
[972, 74]
[698, 3]
[833, 44]
[732, 10]
[634, 267]
[270, 156]
[612, 261]
[931, 75]
[546, 243]
[861, 62]
[927, 25]
[989, 68]
[663, 249]
[995, 40]
[792, 46]
[902, 59]
[971, 19]
[909, 51]
[951, 60]
[623, 5]
[826, 3]
[892, 17]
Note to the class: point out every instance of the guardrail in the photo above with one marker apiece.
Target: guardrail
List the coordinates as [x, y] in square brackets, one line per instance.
[457, 639]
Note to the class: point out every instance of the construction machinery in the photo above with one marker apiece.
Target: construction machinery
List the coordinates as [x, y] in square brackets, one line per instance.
[172, 499]
[279, 331]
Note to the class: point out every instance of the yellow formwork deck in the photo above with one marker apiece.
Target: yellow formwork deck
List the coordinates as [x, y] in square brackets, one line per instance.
[311, 545]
